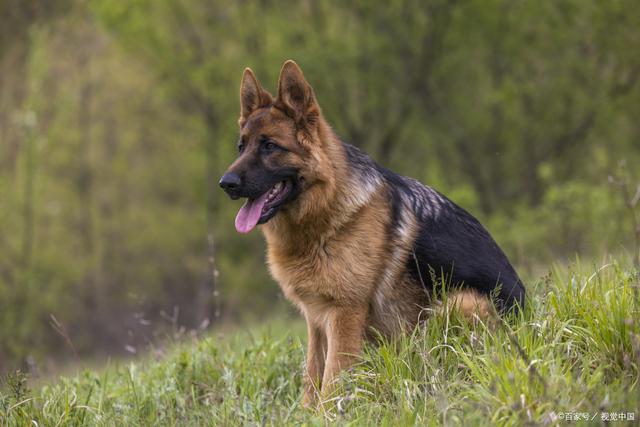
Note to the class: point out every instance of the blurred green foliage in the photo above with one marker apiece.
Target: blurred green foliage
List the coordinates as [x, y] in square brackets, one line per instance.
[116, 119]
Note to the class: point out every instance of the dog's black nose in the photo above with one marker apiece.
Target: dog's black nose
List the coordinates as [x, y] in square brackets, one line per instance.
[230, 181]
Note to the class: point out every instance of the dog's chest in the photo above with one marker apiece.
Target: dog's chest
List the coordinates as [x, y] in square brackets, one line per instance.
[325, 272]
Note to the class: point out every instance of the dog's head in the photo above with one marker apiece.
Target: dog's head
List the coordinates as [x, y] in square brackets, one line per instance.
[275, 161]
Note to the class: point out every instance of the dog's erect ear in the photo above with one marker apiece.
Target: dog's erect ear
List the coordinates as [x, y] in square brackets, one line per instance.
[295, 96]
[252, 96]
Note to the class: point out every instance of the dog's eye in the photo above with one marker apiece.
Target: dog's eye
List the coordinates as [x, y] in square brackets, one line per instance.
[268, 145]
[240, 147]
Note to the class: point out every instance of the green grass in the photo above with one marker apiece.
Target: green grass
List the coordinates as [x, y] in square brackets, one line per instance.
[576, 350]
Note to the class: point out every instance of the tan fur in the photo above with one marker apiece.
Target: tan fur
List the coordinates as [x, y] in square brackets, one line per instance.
[330, 249]
[471, 305]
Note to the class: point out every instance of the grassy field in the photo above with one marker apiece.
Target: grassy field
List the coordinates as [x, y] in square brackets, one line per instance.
[574, 354]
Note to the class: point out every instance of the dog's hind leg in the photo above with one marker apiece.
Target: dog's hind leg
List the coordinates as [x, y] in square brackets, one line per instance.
[472, 305]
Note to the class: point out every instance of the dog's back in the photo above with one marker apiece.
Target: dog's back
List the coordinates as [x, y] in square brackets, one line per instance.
[450, 245]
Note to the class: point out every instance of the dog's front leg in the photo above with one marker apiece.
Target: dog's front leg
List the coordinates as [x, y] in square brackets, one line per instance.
[316, 354]
[345, 332]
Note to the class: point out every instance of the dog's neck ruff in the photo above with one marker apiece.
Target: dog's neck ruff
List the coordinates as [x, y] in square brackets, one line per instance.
[353, 182]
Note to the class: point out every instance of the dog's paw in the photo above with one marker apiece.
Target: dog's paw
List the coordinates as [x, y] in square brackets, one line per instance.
[310, 400]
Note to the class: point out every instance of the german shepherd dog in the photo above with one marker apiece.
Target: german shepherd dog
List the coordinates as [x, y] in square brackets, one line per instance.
[356, 247]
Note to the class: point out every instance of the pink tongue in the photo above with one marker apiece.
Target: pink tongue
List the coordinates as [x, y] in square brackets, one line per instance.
[249, 214]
